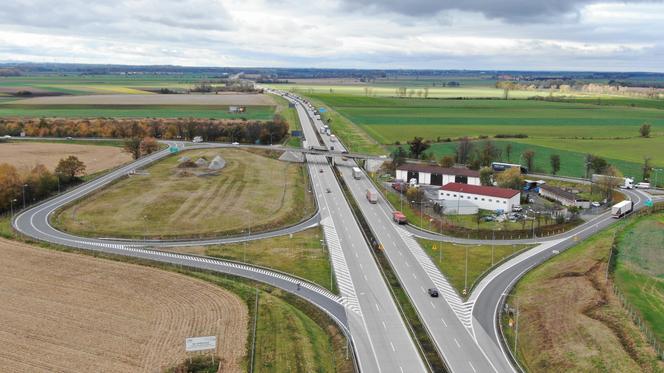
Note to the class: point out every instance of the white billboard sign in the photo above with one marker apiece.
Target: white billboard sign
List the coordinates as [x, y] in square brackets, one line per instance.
[201, 343]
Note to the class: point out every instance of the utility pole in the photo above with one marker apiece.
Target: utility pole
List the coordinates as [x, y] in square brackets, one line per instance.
[493, 241]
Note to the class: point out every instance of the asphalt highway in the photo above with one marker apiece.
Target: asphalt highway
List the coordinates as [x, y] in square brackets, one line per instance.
[465, 332]
[381, 338]
[443, 317]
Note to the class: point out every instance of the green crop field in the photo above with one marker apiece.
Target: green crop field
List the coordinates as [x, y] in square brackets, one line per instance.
[639, 270]
[134, 111]
[394, 119]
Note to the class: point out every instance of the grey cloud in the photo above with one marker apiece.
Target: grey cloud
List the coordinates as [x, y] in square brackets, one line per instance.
[518, 11]
[83, 14]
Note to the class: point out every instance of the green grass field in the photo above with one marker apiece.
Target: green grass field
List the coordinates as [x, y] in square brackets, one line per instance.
[301, 255]
[134, 111]
[451, 260]
[572, 162]
[251, 192]
[639, 269]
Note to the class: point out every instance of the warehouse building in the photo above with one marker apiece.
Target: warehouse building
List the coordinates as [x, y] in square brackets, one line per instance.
[435, 175]
[562, 196]
[484, 197]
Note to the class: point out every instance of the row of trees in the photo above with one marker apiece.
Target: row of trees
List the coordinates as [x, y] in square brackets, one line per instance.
[37, 183]
[162, 128]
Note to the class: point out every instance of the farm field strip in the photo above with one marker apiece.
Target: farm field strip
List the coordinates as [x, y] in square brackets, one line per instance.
[25, 155]
[69, 312]
[134, 111]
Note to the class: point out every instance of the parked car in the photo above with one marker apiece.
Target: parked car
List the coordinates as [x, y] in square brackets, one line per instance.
[517, 208]
[433, 292]
[595, 204]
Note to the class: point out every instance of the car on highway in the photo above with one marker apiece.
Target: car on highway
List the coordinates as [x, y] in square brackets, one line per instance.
[6, 137]
[320, 170]
[235, 143]
[328, 190]
[433, 292]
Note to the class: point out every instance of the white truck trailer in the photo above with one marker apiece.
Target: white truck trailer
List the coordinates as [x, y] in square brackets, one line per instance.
[621, 209]
[357, 173]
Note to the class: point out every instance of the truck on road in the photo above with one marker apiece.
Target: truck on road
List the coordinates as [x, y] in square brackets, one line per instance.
[372, 196]
[399, 217]
[621, 209]
[357, 173]
[643, 185]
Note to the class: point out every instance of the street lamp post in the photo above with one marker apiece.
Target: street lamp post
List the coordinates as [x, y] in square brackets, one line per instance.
[493, 242]
[23, 190]
[465, 281]
[11, 206]
[145, 227]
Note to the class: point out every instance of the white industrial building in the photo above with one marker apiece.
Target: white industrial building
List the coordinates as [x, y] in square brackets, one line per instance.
[484, 197]
[436, 175]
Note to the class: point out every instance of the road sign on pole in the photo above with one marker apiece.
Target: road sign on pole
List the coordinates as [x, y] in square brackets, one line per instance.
[174, 149]
[648, 203]
[200, 343]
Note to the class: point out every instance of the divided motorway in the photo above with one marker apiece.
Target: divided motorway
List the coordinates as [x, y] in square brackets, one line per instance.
[381, 338]
[446, 318]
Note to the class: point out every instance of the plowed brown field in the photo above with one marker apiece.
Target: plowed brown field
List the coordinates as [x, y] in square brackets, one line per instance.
[27, 154]
[67, 312]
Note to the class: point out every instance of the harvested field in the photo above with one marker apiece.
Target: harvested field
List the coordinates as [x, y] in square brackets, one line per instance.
[578, 325]
[25, 155]
[149, 99]
[253, 191]
[68, 312]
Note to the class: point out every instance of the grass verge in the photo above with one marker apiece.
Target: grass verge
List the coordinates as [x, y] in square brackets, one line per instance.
[450, 258]
[639, 269]
[570, 320]
[300, 254]
[252, 192]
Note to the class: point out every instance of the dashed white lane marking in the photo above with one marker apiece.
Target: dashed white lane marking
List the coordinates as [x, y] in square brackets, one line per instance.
[472, 367]
[393, 349]
[384, 326]
[444, 323]
[463, 310]
[457, 343]
[433, 305]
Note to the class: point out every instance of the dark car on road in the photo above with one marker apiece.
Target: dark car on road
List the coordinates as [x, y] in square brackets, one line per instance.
[433, 292]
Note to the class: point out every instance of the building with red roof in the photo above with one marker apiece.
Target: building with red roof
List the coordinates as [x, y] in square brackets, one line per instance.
[484, 197]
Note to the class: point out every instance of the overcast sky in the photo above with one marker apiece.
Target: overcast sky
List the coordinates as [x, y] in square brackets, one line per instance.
[385, 34]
